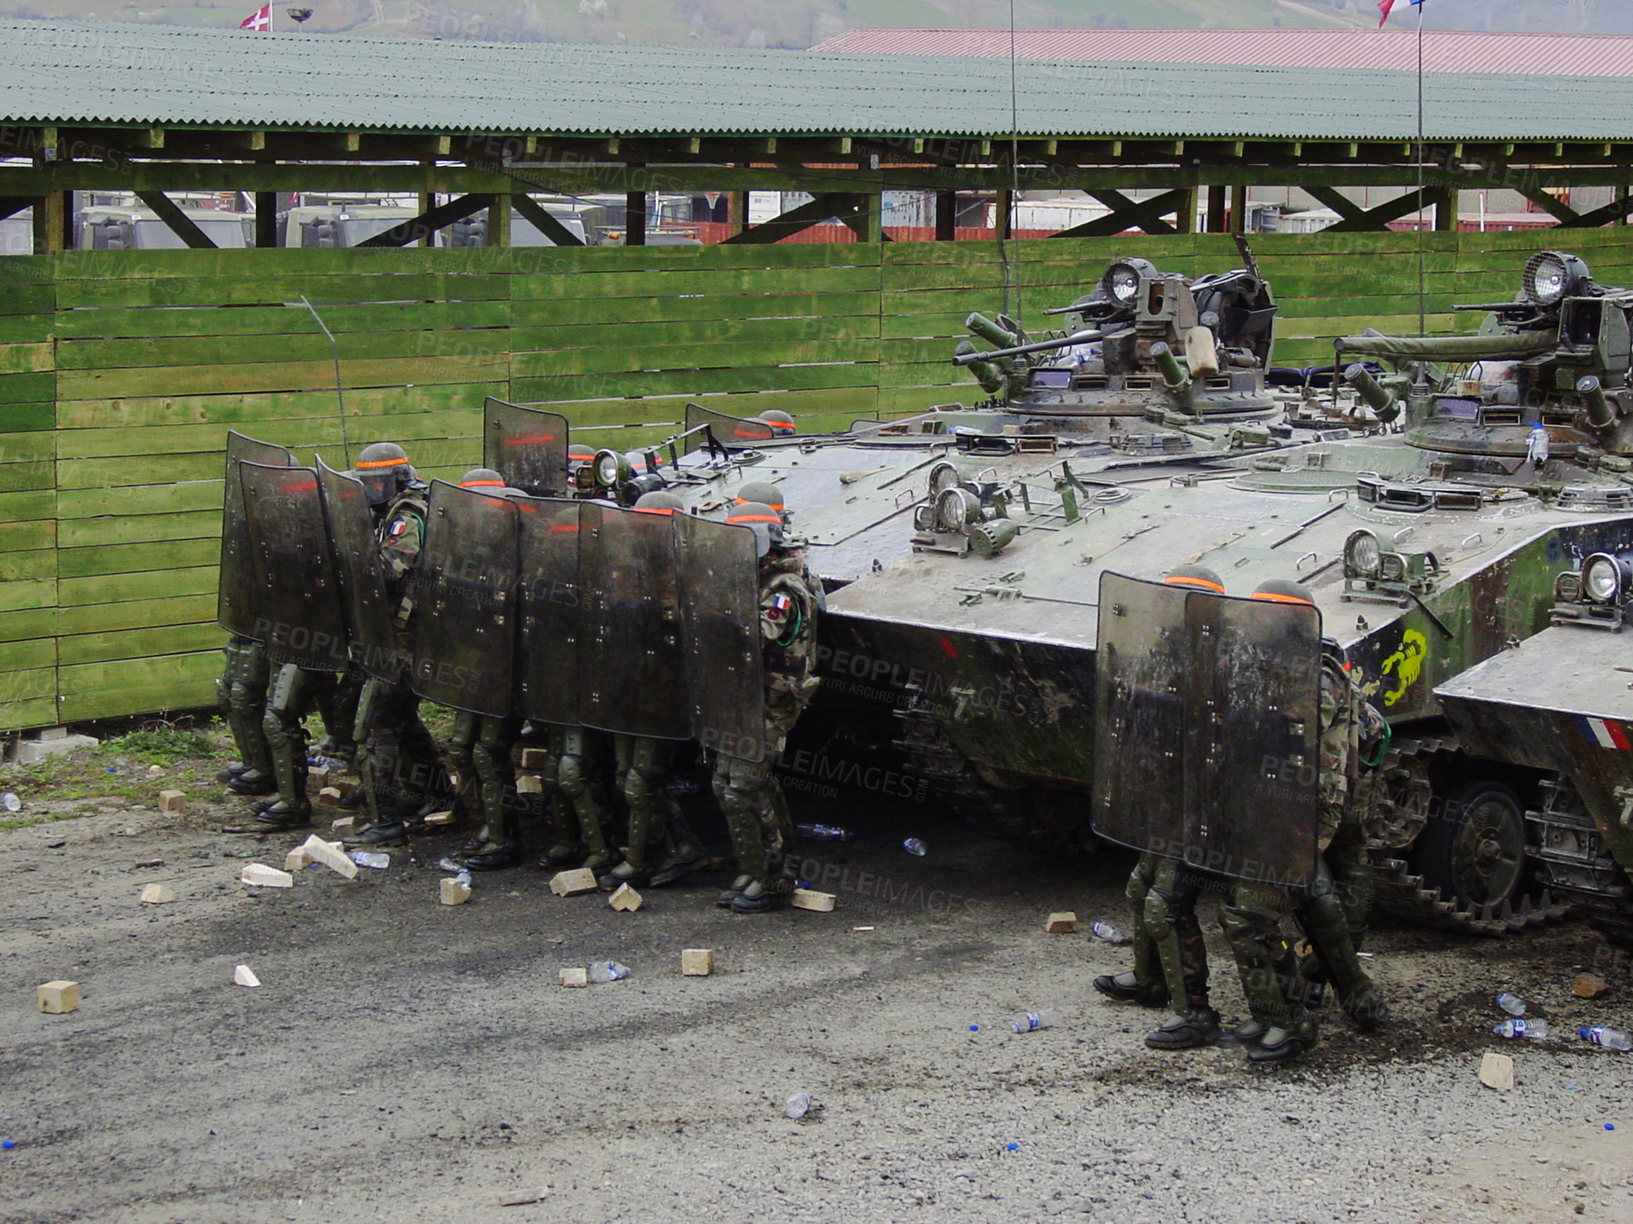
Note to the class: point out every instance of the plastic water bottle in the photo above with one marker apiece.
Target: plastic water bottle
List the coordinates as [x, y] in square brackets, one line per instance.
[1611, 1039]
[915, 847]
[1511, 1003]
[1030, 1022]
[462, 876]
[10, 802]
[822, 832]
[371, 858]
[798, 1105]
[1522, 1028]
[602, 972]
[1104, 930]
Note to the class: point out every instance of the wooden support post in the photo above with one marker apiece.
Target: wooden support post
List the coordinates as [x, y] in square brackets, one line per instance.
[1185, 214]
[737, 211]
[1446, 211]
[869, 225]
[1004, 213]
[266, 219]
[1238, 209]
[1216, 210]
[946, 216]
[52, 218]
[499, 220]
[635, 218]
[427, 201]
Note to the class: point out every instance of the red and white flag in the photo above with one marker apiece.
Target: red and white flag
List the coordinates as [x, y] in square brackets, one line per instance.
[260, 19]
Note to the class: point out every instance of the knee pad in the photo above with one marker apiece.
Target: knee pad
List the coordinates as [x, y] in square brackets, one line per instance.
[570, 776]
[1160, 912]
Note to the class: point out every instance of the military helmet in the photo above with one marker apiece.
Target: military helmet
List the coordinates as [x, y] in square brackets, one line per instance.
[782, 425]
[579, 454]
[762, 491]
[482, 479]
[659, 501]
[760, 518]
[1280, 590]
[1198, 576]
[384, 469]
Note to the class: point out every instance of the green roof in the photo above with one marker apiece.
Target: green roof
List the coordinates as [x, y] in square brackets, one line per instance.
[141, 75]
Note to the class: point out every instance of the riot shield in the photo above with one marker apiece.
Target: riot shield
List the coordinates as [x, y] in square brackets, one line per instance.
[725, 430]
[551, 600]
[631, 657]
[1140, 715]
[1206, 729]
[301, 615]
[370, 609]
[235, 598]
[527, 446]
[465, 602]
[719, 582]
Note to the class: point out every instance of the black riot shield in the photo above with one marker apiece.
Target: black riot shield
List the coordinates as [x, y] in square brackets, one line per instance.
[465, 602]
[302, 615]
[631, 657]
[235, 598]
[1206, 729]
[547, 534]
[370, 609]
[723, 430]
[527, 446]
[719, 580]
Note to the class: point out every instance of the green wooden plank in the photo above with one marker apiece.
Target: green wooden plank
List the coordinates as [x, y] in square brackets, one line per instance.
[18, 270]
[140, 528]
[34, 563]
[693, 382]
[27, 418]
[27, 388]
[26, 328]
[149, 584]
[28, 684]
[15, 477]
[653, 409]
[246, 410]
[836, 329]
[216, 350]
[273, 320]
[26, 715]
[148, 499]
[138, 643]
[35, 534]
[553, 312]
[136, 558]
[116, 689]
[645, 284]
[28, 447]
[195, 452]
[28, 593]
[36, 300]
[685, 357]
[136, 614]
[26, 358]
[284, 261]
[28, 624]
[24, 507]
[534, 261]
[280, 376]
[37, 652]
[268, 289]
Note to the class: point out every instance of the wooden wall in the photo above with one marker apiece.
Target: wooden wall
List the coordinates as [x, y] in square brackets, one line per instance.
[120, 373]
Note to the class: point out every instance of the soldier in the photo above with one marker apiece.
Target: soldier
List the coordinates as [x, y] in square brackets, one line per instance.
[296, 692]
[1145, 983]
[756, 814]
[241, 693]
[782, 425]
[398, 757]
[571, 777]
[656, 822]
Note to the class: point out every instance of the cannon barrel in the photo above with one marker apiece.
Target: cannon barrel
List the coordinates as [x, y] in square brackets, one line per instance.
[1451, 348]
[1172, 371]
[1037, 346]
[1600, 414]
[989, 331]
[988, 375]
[1379, 398]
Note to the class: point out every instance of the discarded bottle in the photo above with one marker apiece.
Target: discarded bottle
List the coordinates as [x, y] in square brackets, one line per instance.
[1511, 1003]
[1518, 1027]
[915, 847]
[371, 858]
[602, 972]
[1611, 1039]
[10, 802]
[1030, 1022]
[448, 865]
[1104, 930]
[822, 832]
[798, 1105]
[462, 876]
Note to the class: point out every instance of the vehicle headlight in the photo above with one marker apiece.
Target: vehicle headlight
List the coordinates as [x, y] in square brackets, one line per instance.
[1392, 567]
[1568, 587]
[955, 508]
[1363, 557]
[943, 475]
[1551, 275]
[1602, 578]
[1122, 280]
[610, 467]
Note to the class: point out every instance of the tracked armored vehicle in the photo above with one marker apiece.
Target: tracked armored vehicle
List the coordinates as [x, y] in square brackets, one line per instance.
[965, 548]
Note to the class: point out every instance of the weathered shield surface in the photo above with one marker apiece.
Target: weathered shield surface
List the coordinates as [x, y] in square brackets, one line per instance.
[465, 602]
[552, 597]
[632, 660]
[719, 579]
[1206, 728]
[527, 446]
[370, 610]
[235, 598]
[301, 614]
[725, 430]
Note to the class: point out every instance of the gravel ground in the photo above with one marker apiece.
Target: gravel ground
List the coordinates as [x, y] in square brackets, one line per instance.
[405, 1060]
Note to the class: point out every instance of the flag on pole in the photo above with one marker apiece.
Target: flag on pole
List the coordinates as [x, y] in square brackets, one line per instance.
[261, 18]
[1383, 9]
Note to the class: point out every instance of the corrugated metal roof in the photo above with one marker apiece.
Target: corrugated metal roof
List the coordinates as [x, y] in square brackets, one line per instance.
[1391, 49]
[173, 76]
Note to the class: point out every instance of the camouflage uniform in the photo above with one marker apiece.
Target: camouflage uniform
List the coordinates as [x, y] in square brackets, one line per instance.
[479, 749]
[748, 793]
[296, 692]
[657, 827]
[241, 694]
[577, 803]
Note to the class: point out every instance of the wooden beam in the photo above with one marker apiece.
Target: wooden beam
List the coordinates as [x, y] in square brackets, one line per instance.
[499, 219]
[1359, 220]
[946, 216]
[866, 220]
[178, 222]
[428, 222]
[1238, 209]
[635, 218]
[544, 222]
[354, 142]
[1445, 200]
[1346, 208]
[1216, 208]
[51, 221]
[1128, 214]
[1552, 205]
[843, 205]
[266, 218]
[10, 206]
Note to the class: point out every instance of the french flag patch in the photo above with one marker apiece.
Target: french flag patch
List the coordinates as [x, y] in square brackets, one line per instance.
[1605, 732]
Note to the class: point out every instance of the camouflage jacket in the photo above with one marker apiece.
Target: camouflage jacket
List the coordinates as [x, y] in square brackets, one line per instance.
[788, 624]
[1346, 720]
[400, 534]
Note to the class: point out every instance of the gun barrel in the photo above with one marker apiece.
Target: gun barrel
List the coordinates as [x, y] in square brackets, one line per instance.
[989, 331]
[1037, 346]
[1452, 348]
[1174, 373]
[1378, 397]
[1600, 414]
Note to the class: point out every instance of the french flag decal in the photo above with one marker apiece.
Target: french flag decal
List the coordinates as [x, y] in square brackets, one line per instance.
[1605, 732]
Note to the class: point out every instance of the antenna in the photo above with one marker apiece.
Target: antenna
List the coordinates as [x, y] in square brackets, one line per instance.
[340, 398]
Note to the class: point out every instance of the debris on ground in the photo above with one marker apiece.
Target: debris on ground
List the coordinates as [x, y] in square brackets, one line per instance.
[697, 962]
[259, 875]
[1497, 1071]
[1061, 923]
[58, 998]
